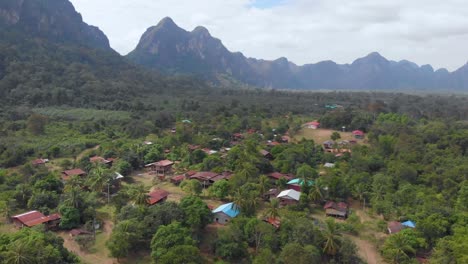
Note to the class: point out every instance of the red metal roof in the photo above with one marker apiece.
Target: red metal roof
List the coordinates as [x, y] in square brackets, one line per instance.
[156, 196]
[74, 172]
[34, 218]
[204, 175]
[38, 162]
[164, 163]
[395, 227]
[264, 152]
[358, 133]
[278, 175]
[178, 178]
[313, 123]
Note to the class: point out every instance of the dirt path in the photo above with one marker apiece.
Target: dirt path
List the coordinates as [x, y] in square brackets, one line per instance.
[367, 251]
[98, 254]
[84, 152]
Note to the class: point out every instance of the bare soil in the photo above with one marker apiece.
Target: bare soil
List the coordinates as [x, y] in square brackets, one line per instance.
[322, 135]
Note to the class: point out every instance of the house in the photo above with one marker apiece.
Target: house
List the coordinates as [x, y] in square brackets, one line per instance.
[296, 184]
[34, 218]
[339, 210]
[289, 197]
[39, 162]
[272, 193]
[358, 134]
[161, 168]
[275, 222]
[273, 143]
[329, 165]
[394, 227]
[204, 177]
[178, 179]
[66, 175]
[79, 232]
[266, 154]
[409, 224]
[193, 147]
[328, 144]
[285, 139]
[224, 213]
[275, 176]
[101, 160]
[157, 196]
[223, 176]
[209, 151]
[312, 125]
[237, 136]
[147, 143]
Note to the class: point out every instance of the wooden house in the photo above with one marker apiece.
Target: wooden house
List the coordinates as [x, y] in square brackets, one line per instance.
[339, 210]
[157, 196]
[266, 154]
[101, 160]
[289, 197]
[358, 134]
[66, 175]
[161, 168]
[34, 218]
[312, 125]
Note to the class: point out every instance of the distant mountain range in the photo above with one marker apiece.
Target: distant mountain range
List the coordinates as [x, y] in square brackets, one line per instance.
[171, 49]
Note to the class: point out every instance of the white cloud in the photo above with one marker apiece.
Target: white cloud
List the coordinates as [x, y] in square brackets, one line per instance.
[305, 31]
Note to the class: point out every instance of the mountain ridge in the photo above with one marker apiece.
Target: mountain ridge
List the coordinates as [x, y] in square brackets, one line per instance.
[176, 50]
[55, 20]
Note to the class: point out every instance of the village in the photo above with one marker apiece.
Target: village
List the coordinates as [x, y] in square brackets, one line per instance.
[278, 190]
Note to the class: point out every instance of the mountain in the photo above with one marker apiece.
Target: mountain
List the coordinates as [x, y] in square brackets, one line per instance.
[55, 20]
[171, 49]
[50, 57]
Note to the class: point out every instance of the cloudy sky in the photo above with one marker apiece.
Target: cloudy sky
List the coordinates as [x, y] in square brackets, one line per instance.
[305, 31]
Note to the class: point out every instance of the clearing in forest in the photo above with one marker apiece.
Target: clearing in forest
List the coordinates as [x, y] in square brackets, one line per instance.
[322, 135]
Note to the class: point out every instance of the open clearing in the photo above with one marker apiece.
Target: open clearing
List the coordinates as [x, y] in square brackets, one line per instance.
[321, 135]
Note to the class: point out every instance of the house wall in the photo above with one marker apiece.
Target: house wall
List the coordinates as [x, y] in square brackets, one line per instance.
[17, 223]
[287, 201]
[221, 218]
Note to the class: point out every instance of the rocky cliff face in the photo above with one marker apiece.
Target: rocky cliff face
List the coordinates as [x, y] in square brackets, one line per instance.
[55, 20]
[170, 48]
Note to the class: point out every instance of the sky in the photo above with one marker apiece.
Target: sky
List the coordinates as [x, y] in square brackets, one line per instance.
[304, 31]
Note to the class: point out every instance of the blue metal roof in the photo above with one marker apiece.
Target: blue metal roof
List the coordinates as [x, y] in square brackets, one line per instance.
[409, 223]
[229, 209]
[299, 181]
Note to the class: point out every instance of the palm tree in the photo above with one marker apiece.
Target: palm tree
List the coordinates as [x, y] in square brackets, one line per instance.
[263, 184]
[332, 238]
[99, 176]
[73, 197]
[360, 192]
[315, 194]
[397, 248]
[138, 194]
[19, 253]
[272, 211]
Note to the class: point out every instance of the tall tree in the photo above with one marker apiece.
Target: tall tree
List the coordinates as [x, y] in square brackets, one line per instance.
[332, 237]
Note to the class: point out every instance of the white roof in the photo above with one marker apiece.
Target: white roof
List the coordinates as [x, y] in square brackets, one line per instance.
[329, 165]
[290, 194]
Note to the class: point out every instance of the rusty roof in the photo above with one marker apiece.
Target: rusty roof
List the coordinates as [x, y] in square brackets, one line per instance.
[156, 196]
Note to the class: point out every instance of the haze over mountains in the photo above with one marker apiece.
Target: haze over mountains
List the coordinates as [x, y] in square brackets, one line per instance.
[171, 49]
